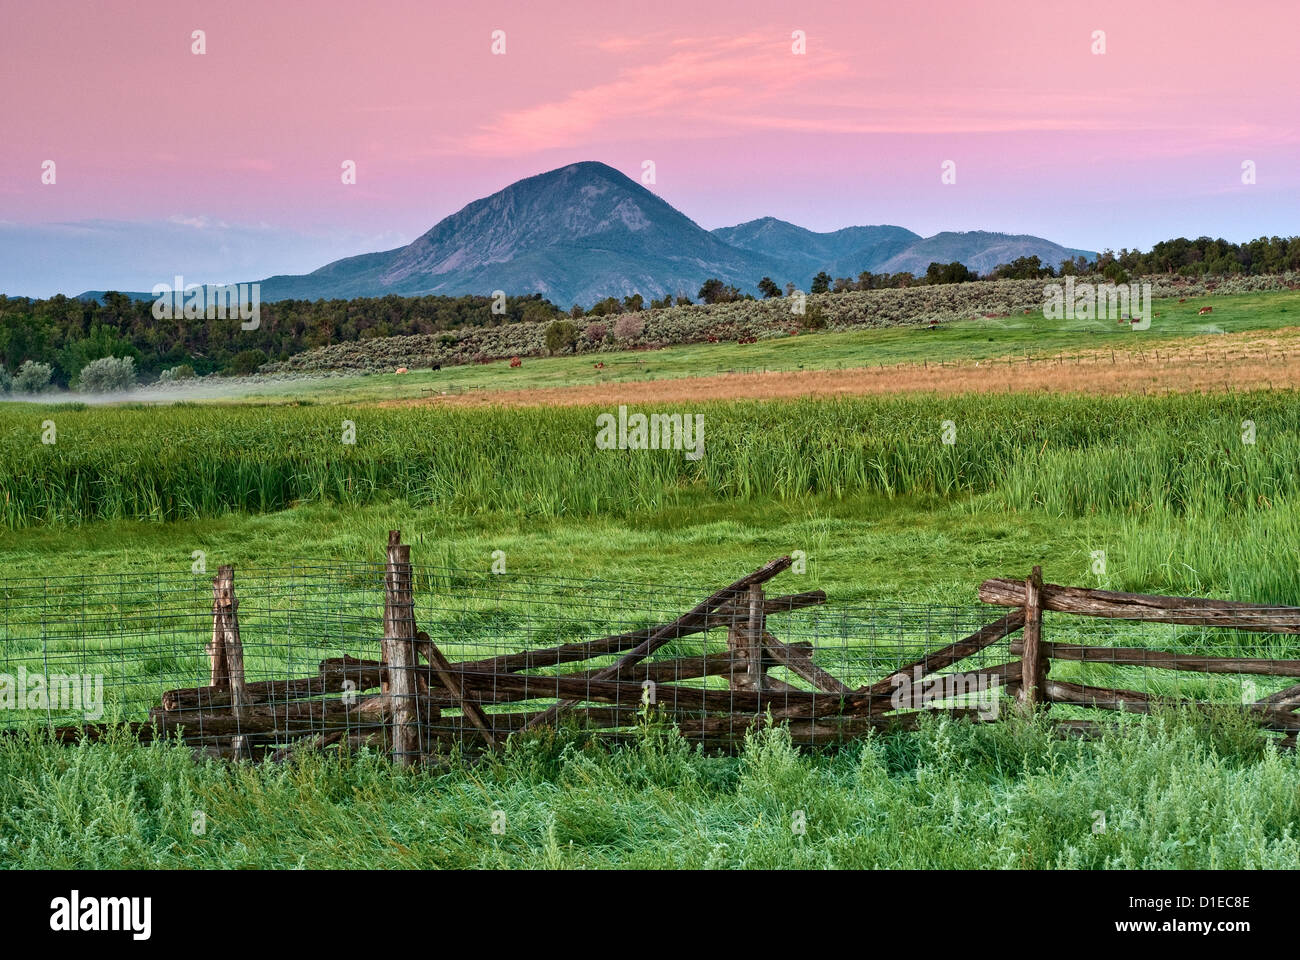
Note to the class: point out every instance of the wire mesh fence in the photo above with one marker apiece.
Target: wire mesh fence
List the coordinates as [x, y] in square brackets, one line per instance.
[504, 653]
[137, 646]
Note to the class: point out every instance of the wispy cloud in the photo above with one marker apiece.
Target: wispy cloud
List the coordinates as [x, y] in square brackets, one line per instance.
[697, 86]
[706, 87]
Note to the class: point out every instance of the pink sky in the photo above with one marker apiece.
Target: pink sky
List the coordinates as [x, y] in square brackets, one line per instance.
[1141, 143]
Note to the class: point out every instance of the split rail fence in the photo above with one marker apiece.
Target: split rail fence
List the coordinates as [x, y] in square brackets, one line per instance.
[309, 657]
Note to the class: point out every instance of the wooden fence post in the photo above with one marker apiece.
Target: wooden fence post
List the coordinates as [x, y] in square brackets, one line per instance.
[219, 679]
[227, 650]
[399, 649]
[1033, 664]
[757, 627]
[745, 639]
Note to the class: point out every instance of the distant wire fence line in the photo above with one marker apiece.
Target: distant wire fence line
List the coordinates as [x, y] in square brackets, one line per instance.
[1125, 355]
[416, 660]
[1092, 357]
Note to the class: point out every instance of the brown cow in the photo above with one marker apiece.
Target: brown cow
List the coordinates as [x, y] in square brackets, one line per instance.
[1204, 310]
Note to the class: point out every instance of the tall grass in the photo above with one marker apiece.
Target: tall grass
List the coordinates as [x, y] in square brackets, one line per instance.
[1176, 455]
[1176, 793]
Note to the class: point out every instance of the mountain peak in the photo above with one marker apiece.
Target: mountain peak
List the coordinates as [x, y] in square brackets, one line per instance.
[577, 233]
[573, 173]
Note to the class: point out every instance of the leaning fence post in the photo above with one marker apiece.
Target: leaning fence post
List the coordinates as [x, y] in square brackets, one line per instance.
[1033, 667]
[219, 678]
[227, 650]
[399, 649]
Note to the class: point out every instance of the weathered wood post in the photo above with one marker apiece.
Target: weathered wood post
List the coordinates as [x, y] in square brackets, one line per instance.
[227, 650]
[219, 678]
[745, 639]
[1033, 667]
[399, 650]
[757, 627]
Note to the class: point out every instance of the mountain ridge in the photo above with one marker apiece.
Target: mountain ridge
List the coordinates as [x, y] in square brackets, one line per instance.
[585, 231]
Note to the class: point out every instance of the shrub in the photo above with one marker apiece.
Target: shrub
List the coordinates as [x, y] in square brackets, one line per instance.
[596, 332]
[813, 319]
[561, 335]
[33, 377]
[628, 327]
[246, 362]
[6, 381]
[181, 372]
[108, 374]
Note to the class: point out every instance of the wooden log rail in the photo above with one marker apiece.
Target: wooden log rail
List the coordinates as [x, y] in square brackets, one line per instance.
[1188, 611]
[1165, 659]
[1134, 701]
[1032, 596]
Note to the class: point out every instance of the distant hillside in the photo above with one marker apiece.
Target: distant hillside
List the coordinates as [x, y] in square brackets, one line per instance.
[99, 295]
[884, 249]
[803, 253]
[978, 250]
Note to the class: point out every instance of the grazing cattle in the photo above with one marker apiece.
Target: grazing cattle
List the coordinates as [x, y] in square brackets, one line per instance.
[516, 362]
[1204, 310]
[601, 365]
[401, 370]
[436, 366]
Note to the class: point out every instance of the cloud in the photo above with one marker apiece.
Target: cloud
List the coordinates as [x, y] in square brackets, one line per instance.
[698, 85]
[198, 223]
[691, 88]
